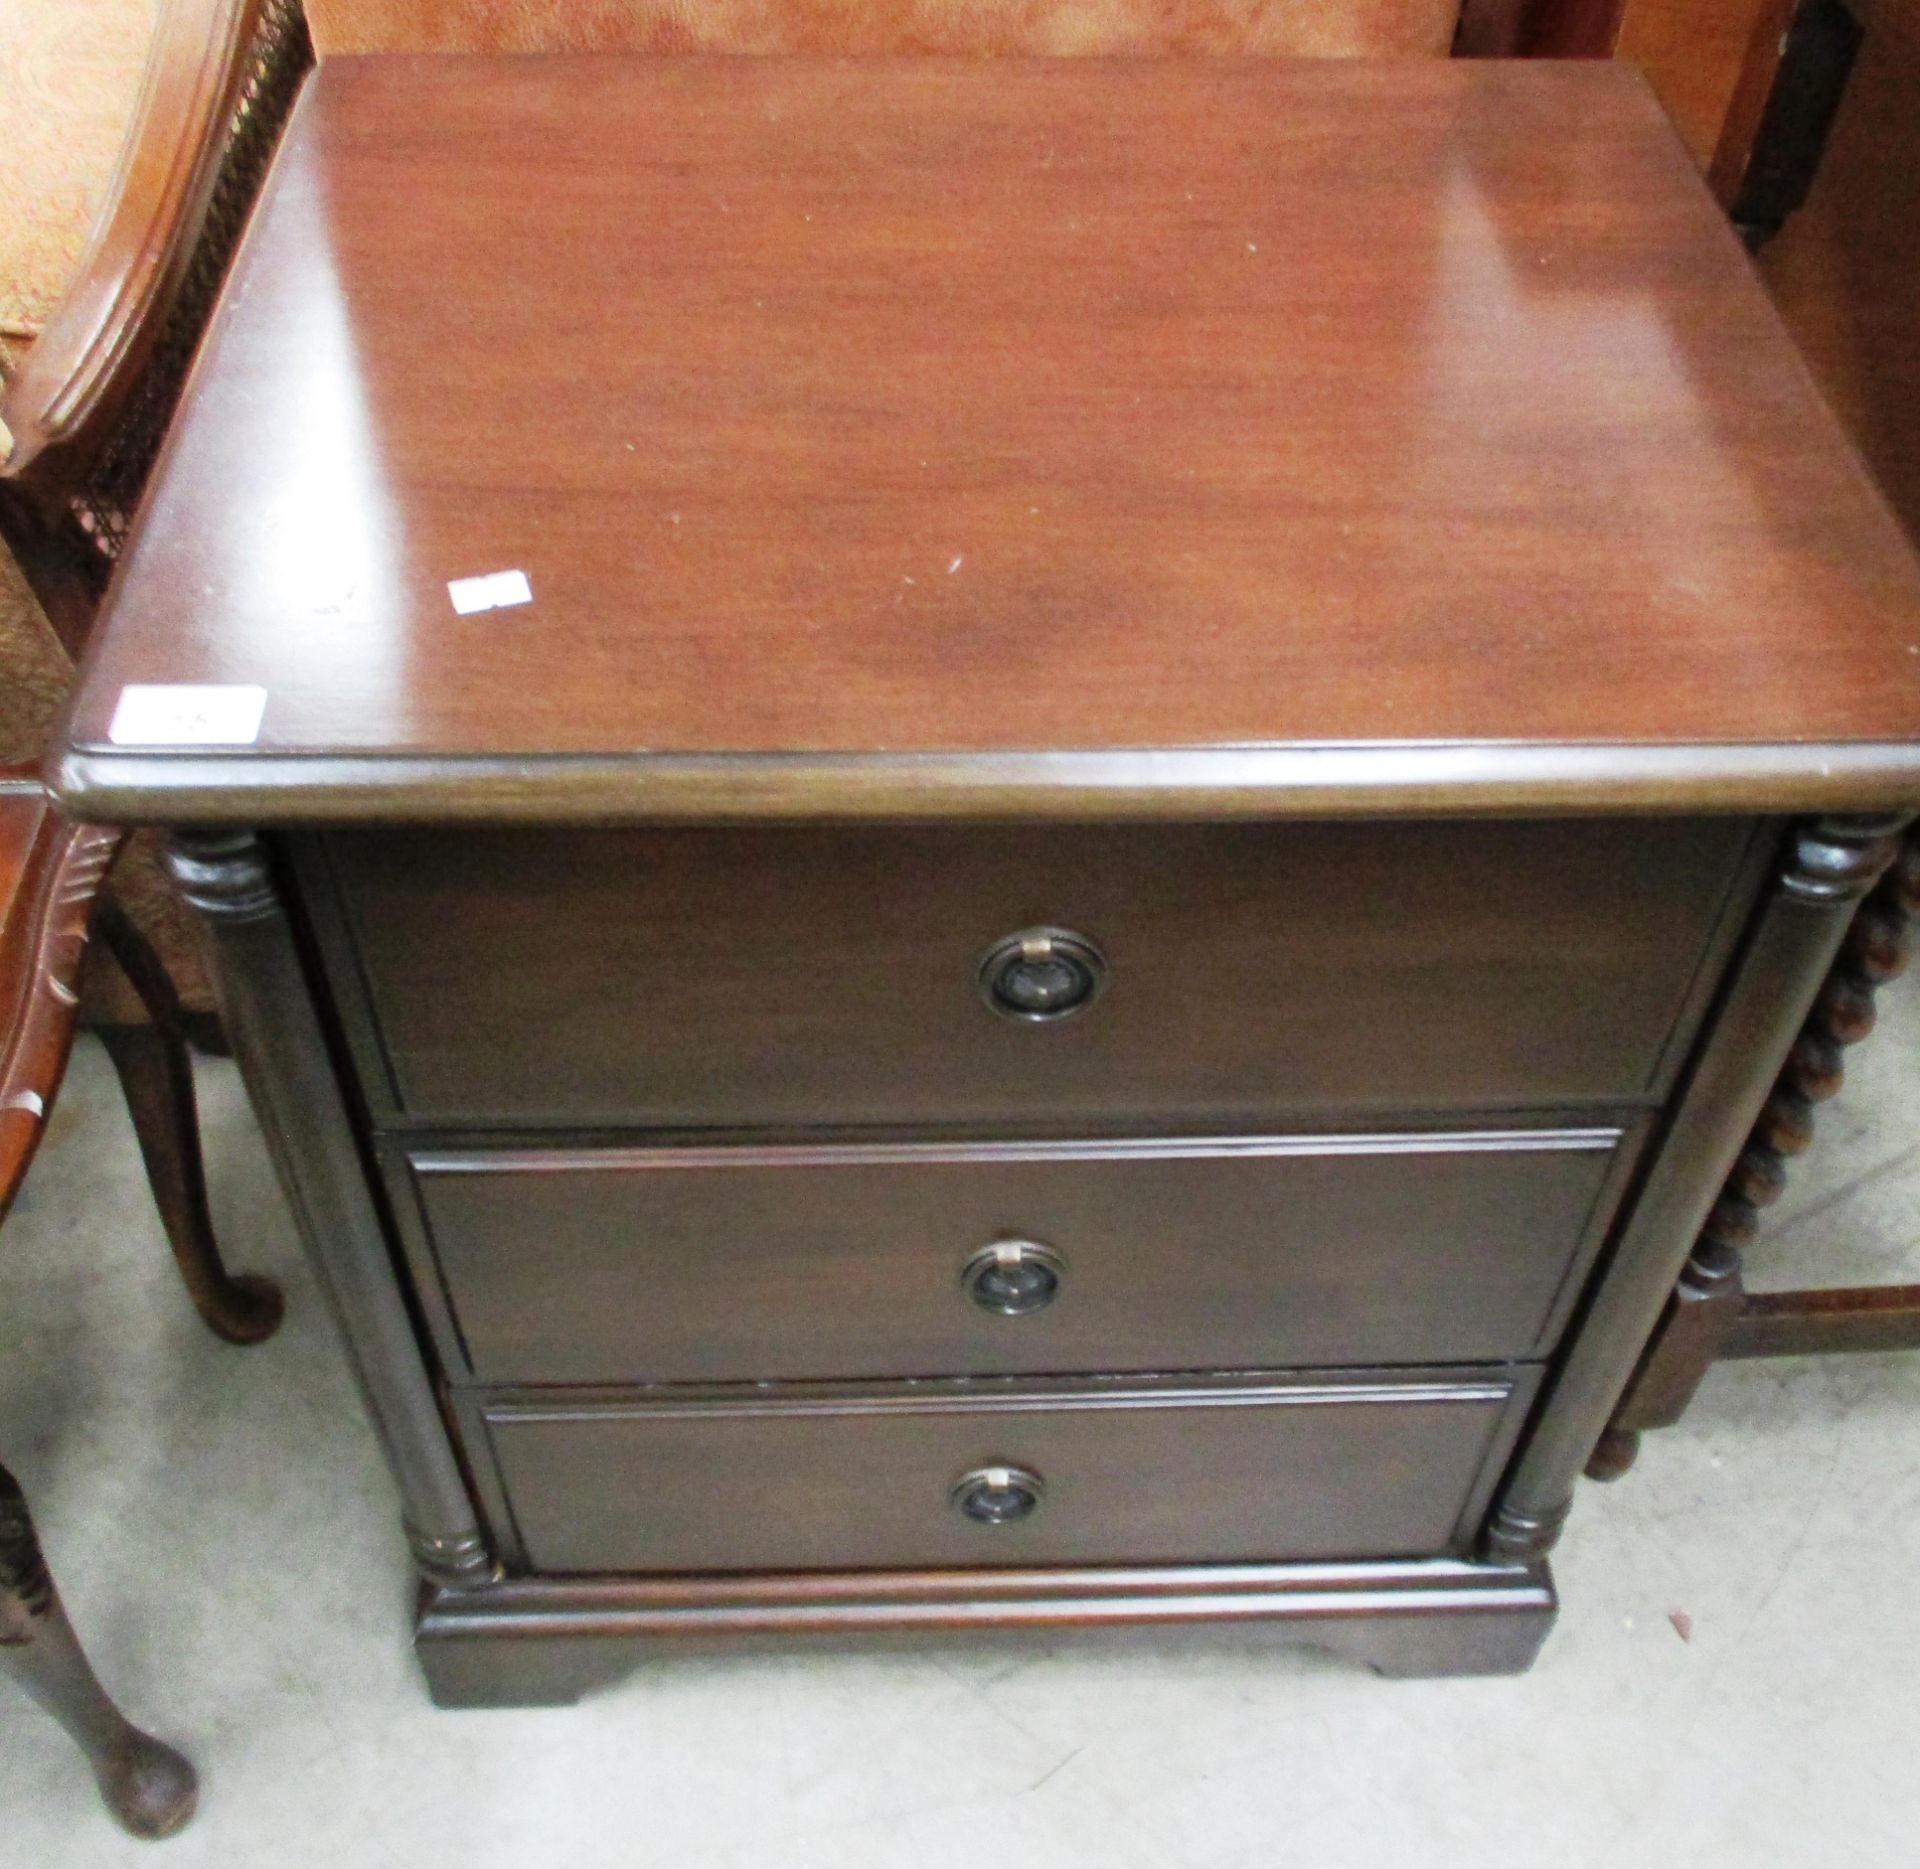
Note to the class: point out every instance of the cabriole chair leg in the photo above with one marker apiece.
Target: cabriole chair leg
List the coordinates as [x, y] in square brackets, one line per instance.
[149, 1787]
[156, 1074]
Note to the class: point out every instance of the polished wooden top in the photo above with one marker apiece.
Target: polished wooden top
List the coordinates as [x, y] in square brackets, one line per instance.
[935, 436]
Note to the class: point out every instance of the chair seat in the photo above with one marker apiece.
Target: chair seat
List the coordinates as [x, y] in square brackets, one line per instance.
[34, 671]
[35, 677]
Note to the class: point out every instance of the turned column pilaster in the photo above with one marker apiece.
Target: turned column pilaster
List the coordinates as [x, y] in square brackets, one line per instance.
[267, 1002]
[1827, 867]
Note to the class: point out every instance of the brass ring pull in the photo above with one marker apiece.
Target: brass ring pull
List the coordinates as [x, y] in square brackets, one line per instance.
[997, 1495]
[1042, 975]
[1012, 1277]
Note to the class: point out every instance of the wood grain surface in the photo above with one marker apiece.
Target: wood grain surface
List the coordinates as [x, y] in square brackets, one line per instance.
[1220, 1469]
[702, 975]
[605, 1265]
[859, 415]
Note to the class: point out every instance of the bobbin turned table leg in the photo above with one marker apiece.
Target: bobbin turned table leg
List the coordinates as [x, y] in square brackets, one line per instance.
[1711, 1314]
[1826, 869]
[147, 1785]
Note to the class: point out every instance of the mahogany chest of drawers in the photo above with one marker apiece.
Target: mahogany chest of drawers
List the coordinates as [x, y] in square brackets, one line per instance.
[1174, 749]
[748, 1237]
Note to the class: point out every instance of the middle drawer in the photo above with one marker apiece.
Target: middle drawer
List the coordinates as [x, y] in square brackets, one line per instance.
[910, 1259]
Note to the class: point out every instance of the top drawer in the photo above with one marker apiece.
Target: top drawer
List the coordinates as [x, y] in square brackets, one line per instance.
[834, 974]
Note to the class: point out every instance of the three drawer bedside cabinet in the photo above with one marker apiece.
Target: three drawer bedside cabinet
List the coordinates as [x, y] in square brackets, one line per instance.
[999, 846]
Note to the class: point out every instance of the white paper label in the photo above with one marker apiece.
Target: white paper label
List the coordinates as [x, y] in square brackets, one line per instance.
[498, 590]
[187, 714]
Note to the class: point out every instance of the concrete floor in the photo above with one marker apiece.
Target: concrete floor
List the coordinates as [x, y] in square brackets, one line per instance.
[226, 1540]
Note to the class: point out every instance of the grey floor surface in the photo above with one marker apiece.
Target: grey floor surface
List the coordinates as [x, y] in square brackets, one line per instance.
[1735, 1678]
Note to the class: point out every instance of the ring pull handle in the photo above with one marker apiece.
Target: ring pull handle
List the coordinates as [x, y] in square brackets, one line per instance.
[1042, 975]
[1013, 1277]
[997, 1495]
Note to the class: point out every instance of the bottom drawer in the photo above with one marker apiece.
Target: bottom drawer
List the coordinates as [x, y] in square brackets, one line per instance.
[1176, 1471]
